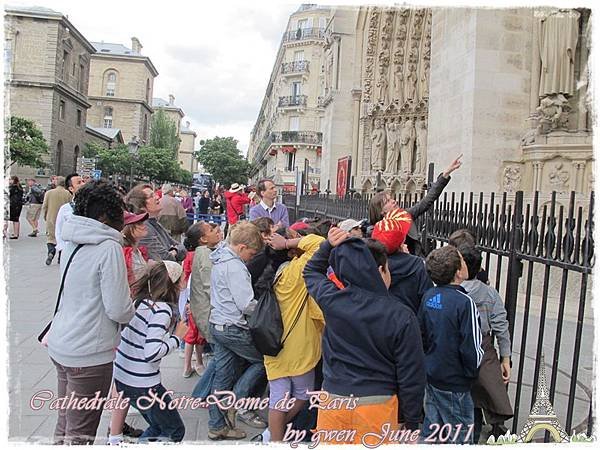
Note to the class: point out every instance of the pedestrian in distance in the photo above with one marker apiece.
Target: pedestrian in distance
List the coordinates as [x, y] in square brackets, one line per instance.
[72, 182]
[53, 200]
[35, 198]
[16, 205]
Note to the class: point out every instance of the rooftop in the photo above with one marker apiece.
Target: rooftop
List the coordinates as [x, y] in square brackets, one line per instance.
[114, 49]
[33, 10]
[112, 133]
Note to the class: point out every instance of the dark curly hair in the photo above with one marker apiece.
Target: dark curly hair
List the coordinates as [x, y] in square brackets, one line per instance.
[442, 264]
[100, 201]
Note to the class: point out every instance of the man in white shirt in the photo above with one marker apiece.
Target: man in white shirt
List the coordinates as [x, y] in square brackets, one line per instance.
[72, 182]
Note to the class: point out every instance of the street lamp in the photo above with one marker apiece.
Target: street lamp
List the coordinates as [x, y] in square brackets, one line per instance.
[133, 147]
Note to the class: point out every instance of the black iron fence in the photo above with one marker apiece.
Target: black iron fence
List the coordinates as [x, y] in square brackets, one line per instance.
[540, 258]
[294, 67]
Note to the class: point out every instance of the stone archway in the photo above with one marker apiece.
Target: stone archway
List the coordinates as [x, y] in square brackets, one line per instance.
[396, 188]
[367, 187]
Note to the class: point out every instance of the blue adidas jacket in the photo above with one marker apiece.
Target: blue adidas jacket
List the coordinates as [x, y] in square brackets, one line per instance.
[451, 338]
[371, 343]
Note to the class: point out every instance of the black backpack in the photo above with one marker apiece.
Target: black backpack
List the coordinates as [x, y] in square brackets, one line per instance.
[265, 323]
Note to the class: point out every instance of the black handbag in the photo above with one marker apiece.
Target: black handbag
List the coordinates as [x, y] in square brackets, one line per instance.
[60, 290]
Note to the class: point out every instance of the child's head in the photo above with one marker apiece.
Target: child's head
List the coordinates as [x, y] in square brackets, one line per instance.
[472, 258]
[266, 226]
[162, 282]
[379, 253]
[245, 240]
[202, 233]
[462, 237]
[392, 230]
[135, 228]
[446, 266]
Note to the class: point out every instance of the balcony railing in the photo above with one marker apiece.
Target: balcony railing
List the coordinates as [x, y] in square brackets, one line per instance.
[302, 137]
[293, 100]
[302, 34]
[294, 67]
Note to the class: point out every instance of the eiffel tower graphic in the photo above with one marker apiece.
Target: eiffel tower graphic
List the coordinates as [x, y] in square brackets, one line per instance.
[542, 415]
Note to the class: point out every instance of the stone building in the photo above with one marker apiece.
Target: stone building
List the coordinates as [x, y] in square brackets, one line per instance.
[185, 154]
[120, 89]
[106, 137]
[509, 91]
[173, 112]
[47, 73]
[287, 131]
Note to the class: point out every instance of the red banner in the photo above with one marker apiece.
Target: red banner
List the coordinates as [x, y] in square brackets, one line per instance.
[343, 176]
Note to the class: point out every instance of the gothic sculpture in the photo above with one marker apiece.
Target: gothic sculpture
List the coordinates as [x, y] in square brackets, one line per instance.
[407, 142]
[393, 146]
[558, 178]
[512, 178]
[378, 144]
[421, 146]
[553, 113]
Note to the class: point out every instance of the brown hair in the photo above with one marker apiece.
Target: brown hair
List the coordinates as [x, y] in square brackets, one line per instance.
[376, 207]
[136, 199]
[442, 264]
[155, 285]
[262, 187]
[462, 237]
[128, 239]
[248, 234]
[264, 224]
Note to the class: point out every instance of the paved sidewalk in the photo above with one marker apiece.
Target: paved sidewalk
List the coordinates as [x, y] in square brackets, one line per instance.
[32, 288]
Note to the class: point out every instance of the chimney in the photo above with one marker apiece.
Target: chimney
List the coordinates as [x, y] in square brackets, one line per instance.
[171, 100]
[187, 123]
[136, 46]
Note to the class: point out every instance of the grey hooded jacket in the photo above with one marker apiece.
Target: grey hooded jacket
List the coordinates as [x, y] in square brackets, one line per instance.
[231, 294]
[86, 329]
[491, 311]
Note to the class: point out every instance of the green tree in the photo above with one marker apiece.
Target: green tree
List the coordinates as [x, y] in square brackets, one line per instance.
[26, 144]
[163, 132]
[157, 164]
[223, 160]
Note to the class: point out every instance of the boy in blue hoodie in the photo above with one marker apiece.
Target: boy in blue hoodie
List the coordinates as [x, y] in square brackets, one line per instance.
[373, 360]
[452, 343]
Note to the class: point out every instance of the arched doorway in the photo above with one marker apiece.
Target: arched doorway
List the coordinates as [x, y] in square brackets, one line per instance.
[75, 157]
[58, 160]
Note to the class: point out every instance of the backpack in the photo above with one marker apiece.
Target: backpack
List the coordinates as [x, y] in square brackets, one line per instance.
[265, 323]
[38, 193]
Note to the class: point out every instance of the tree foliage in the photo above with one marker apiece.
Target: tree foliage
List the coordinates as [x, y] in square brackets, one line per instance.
[163, 132]
[223, 160]
[26, 144]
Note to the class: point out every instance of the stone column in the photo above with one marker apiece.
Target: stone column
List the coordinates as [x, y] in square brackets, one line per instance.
[356, 158]
[537, 175]
[536, 64]
[579, 170]
[582, 94]
[336, 63]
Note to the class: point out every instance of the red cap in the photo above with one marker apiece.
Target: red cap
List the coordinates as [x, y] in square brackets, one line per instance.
[131, 218]
[299, 226]
[391, 231]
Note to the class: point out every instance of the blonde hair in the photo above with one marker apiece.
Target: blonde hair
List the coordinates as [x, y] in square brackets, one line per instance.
[246, 233]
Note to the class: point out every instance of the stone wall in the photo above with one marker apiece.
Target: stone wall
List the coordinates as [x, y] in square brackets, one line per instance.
[186, 148]
[132, 75]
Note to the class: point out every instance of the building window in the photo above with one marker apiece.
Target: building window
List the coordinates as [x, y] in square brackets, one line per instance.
[73, 69]
[81, 77]
[75, 158]
[111, 83]
[296, 88]
[145, 130]
[289, 163]
[322, 22]
[294, 123]
[61, 110]
[148, 90]
[59, 150]
[299, 55]
[65, 64]
[79, 114]
[108, 117]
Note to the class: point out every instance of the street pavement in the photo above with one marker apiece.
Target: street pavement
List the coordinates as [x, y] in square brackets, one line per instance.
[32, 289]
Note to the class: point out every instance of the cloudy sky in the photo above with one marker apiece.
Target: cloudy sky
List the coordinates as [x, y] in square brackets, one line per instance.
[214, 57]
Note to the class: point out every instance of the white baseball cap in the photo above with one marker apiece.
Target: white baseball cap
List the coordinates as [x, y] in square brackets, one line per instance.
[349, 224]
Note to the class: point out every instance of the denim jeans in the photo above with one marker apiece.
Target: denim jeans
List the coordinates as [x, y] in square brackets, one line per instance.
[165, 424]
[204, 386]
[234, 349]
[445, 407]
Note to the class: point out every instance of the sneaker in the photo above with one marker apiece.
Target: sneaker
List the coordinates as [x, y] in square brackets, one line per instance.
[226, 433]
[199, 370]
[188, 373]
[49, 258]
[132, 432]
[33, 234]
[251, 419]
[256, 438]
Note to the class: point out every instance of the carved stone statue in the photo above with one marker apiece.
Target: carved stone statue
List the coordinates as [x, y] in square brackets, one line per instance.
[393, 146]
[382, 86]
[424, 80]
[407, 143]
[377, 144]
[411, 86]
[559, 178]
[421, 146]
[558, 41]
[398, 83]
[553, 113]
[511, 179]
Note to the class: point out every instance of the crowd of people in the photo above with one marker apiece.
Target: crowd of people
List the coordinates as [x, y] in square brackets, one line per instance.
[351, 318]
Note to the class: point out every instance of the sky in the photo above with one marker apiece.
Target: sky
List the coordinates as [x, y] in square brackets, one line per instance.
[214, 57]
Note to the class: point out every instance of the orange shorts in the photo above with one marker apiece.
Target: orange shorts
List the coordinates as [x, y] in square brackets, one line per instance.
[348, 426]
[193, 336]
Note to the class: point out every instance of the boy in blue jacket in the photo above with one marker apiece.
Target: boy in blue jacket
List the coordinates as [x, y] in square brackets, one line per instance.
[371, 344]
[452, 343]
